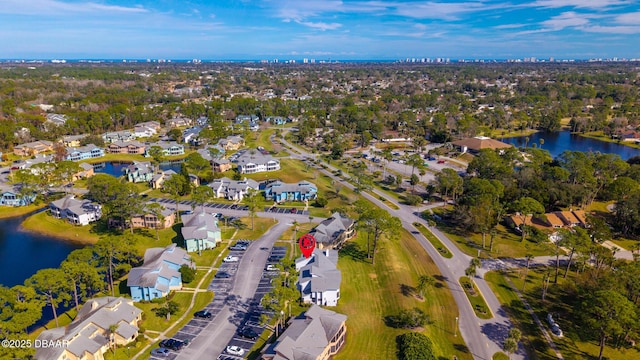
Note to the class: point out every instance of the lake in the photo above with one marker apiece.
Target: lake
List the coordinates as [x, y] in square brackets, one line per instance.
[115, 168]
[23, 253]
[557, 142]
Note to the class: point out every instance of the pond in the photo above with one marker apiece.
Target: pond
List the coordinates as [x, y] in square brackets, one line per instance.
[115, 168]
[557, 142]
[23, 253]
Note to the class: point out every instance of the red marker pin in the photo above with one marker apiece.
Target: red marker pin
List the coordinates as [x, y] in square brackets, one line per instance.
[307, 244]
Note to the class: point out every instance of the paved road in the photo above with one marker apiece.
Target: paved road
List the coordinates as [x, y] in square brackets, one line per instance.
[483, 337]
[213, 339]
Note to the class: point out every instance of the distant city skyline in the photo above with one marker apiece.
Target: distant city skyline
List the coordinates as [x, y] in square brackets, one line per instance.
[319, 29]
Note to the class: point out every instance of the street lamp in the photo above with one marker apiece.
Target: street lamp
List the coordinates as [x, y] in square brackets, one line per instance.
[455, 330]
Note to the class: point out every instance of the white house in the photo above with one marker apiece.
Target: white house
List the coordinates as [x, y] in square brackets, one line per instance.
[78, 212]
[319, 279]
[232, 189]
[253, 161]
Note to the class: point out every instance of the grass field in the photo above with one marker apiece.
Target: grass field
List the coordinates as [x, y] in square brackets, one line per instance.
[45, 224]
[369, 293]
[506, 242]
[13, 211]
[475, 298]
[572, 346]
[434, 241]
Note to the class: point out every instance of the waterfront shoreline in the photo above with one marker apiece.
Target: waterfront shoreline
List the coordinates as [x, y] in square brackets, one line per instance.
[43, 224]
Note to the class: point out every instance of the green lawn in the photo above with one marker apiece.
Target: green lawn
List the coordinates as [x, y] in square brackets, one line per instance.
[475, 298]
[369, 293]
[532, 338]
[506, 243]
[13, 211]
[45, 224]
[434, 241]
[572, 346]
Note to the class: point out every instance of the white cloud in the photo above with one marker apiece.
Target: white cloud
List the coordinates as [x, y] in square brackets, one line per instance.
[566, 19]
[580, 4]
[510, 26]
[320, 25]
[629, 18]
[52, 7]
[437, 10]
[613, 29]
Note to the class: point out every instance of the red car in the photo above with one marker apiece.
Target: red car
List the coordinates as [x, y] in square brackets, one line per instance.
[441, 161]
[294, 210]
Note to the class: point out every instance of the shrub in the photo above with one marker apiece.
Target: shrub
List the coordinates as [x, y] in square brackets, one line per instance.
[413, 200]
[408, 319]
[414, 346]
[188, 274]
[171, 307]
[321, 201]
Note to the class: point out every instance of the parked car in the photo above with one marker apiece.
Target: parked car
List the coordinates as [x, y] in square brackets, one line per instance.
[441, 161]
[238, 247]
[293, 210]
[203, 314]
[272, 267]
[172, 344]
[160, 352]
[248, 333]
[230, 258]
[235, 350]
[222, 275]
[432, 158]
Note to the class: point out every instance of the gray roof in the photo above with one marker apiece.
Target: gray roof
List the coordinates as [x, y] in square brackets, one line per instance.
[156, 265]
[329, 229]
[229, 185]
[254, 156]
[196, 226]
[319, 271]
[141, 167]
[308, 335]
[86, 332]
[75, 206]
[303, 187]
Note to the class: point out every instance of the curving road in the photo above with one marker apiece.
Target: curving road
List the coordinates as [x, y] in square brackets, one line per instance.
[483, 337]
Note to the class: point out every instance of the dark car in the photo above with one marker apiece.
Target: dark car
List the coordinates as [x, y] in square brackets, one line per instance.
[204, 314]
[293, 210]
[172, 344]
[441, 161]
[222, 275]
[234, 206]
[248, 333]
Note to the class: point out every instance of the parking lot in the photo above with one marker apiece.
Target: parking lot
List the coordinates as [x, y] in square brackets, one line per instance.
[245, 314]
[207, 205]
[293, 211]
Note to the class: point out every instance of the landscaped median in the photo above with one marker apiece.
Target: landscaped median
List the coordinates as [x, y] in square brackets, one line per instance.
[475, 298]
[442, 249]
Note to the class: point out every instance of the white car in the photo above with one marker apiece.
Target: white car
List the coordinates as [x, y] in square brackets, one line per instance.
[160, 352]
[230, 258]
[235, 350]
[272, 267]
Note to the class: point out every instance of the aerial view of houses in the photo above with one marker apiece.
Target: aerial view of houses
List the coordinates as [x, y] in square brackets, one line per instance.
[153, 209]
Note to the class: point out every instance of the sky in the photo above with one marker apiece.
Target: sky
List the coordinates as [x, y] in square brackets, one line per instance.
[318, 29]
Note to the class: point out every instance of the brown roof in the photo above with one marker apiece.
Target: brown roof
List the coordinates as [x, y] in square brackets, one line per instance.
[553, 220]
[567, 217]
[481, 142]
[580, 215]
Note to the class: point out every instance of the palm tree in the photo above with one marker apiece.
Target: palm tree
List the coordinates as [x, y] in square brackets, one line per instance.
[112, 337]
[541, 141]
[295, 229]
[424, 282]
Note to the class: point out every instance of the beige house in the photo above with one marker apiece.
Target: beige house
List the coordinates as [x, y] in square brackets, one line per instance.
[129, 147]
[89, 335]
[33, 148]
[316, 334]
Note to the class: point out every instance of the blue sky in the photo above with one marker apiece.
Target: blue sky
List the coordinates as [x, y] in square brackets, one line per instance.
[319, 29]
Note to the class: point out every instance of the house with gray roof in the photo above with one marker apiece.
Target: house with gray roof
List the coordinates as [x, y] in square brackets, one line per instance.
[334, 231]
[114, 136]
[319, 279]
[159, 273]
[139, 171]
[78, 212]
[88, 336]
[170, 148]
[253, 161]
[233, 142]
[316, 334]
[200, 231]
[89, 151]
[232, 189]
[56, 119]
[281, 192]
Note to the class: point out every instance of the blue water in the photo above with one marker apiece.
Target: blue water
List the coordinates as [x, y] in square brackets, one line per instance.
[115, 168]
[23, 253]
[557, 142]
